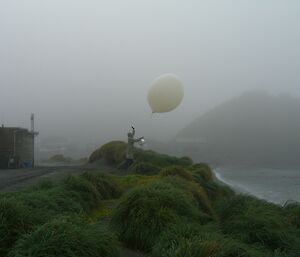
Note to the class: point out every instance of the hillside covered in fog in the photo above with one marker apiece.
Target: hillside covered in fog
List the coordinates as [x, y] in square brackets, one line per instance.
[254, 129]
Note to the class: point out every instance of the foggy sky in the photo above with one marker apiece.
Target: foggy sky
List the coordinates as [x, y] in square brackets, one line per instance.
[84, 67]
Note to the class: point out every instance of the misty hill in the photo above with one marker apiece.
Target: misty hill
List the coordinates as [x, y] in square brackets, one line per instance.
[254, 129]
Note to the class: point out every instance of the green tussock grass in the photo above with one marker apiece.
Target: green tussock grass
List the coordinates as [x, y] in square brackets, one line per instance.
[160, 160]
[112, 153]
[104, 213]
[83, 191]
[166, 206]
[14, 221]
[146, 211]
[144, 168]
[292, 211]
[176, 171]
[22, 211]
[203, 176]
[104, 184]
[146, 161]
[44, 204]
[202, 170]
[131, 181]
[193, 240]
[213, 190]
[67, 237]
[255, 221]
[100, 214]
[186, 161]
[194, 192]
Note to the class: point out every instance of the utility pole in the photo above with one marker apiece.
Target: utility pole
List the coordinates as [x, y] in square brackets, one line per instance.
[33, 133]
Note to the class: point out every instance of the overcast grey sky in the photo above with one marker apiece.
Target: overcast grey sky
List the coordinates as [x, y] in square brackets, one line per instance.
[84, 67]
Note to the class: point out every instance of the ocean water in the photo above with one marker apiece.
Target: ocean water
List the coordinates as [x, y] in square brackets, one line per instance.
[274, 185]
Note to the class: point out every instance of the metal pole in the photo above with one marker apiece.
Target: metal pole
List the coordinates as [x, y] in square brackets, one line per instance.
[14, 143]
[32, 122]
[32, 133]
[33, 150]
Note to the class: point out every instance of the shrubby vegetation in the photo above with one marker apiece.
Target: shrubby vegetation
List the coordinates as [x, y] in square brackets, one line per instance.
[166, 206]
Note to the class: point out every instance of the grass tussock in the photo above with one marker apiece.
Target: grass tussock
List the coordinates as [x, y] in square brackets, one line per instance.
[112, 153]
[67, 237]
[105, 185]
[21, 211]
[192, 240]
[144, 168]
[214, 191]
[171, 207]
[146, 211]
[42, 205]
[255, 221]
[131, 181]
[176, 171]
[203, 176]
[103, 213]
[147, 161]
[83, 191]
[14, 221]
[292, 211]
[186, 161]
[202, 170]
[194, 192]
[159, 160]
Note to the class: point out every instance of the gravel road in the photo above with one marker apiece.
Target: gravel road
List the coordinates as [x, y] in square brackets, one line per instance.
[14, 179]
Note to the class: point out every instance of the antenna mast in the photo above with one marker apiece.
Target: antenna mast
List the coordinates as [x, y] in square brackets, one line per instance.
[32, 122]
[33, 135]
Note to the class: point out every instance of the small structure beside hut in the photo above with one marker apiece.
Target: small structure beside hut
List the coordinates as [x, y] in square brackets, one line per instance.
[17, 146]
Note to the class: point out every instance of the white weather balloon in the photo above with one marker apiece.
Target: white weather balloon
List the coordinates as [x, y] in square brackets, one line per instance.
[165, 94]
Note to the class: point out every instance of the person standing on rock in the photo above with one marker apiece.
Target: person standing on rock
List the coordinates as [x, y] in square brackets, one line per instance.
[130, 147]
